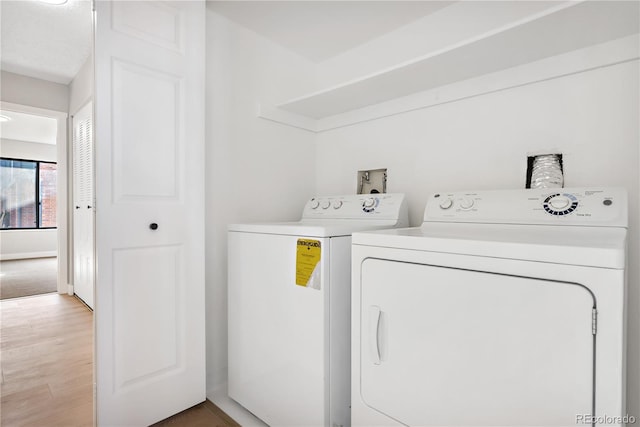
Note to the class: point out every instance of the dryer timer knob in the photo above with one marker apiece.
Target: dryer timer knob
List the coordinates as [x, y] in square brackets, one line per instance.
[369, 202]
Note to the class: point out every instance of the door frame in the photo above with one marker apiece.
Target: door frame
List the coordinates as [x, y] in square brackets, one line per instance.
[62, 204]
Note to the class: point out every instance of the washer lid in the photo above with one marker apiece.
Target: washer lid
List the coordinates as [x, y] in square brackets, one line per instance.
[334, 216]
[313, 228]
[585, 246]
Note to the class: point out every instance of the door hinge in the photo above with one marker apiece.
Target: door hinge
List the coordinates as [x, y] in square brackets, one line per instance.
[594, 321]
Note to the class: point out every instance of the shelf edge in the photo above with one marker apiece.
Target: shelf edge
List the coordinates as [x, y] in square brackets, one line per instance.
[286, 118]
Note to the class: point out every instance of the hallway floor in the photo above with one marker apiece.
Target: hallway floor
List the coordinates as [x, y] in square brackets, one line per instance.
[47, 361]
[46, 370]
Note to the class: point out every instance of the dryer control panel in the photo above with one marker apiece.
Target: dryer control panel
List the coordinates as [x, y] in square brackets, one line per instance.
[391, 206]
[551, 206]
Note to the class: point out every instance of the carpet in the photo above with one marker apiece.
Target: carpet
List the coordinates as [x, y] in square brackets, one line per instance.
[23, 277]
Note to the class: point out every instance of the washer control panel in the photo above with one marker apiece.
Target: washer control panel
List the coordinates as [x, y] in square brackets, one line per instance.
[567, 206]
[357, 206]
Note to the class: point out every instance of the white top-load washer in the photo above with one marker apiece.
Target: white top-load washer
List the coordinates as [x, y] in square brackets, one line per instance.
[505, 308]
[289, 309]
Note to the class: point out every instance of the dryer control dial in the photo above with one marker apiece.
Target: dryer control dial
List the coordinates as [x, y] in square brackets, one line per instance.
[337, 204]
[314, 204]
[560, 204]
[369, 204]
[325, 204]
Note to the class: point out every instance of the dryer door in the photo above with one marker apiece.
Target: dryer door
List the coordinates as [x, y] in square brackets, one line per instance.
[449, 347]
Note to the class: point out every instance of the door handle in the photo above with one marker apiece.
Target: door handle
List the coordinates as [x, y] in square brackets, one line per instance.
[374, 329]
[88, 207]
[77, 207]
[153, 226]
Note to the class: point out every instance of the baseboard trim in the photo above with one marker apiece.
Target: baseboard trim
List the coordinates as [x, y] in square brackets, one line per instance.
[219, 397]
[220, 413]
[28, 255]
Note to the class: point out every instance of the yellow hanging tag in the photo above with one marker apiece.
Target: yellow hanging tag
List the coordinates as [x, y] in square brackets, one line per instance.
[308, 263]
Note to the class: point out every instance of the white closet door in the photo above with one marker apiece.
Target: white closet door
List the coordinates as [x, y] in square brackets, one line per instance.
[150, 318]
[83, 252]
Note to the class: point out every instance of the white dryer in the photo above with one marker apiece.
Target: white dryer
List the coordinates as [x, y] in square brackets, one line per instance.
[289, 309]
[505, 308]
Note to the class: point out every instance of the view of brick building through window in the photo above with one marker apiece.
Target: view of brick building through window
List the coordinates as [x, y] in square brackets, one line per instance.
[20, 183]
[48, 179]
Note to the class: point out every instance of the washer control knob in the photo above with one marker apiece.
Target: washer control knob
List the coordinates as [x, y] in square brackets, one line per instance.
[337, 204]
[446, 204]
[314, 204]
[466, 204]
[325, 204]
[369, 202]
[559, 202]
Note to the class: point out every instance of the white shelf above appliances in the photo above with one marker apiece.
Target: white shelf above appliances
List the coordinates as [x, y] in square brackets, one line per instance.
[564, 28]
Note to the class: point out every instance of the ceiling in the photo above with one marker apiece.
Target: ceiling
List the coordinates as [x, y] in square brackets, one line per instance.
[319, 30]
[45, 41]
[52, 42]
[28, 127]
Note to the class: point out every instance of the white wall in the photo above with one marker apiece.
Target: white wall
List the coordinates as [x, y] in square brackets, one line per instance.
[24, 90]
[23, 244]
[28, 150]
[18, 244]
[256, 170]
[81, 87]
[482, 143]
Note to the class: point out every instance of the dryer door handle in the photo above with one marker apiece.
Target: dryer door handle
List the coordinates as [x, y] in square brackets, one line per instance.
[374, 332]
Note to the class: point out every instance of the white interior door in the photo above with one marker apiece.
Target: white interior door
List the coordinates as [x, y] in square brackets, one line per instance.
[448, 347]
[150, 337]
[83, 213]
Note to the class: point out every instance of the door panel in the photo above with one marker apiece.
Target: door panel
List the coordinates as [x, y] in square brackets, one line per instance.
[448, 347]
[150, 338]
[139, 273]
[137, 135]
[155, 22]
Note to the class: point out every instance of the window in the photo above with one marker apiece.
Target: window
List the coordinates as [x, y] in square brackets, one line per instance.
[27, 194]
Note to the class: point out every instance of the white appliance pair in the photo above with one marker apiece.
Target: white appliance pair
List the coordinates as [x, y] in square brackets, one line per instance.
[289, 309]
[503, 309]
